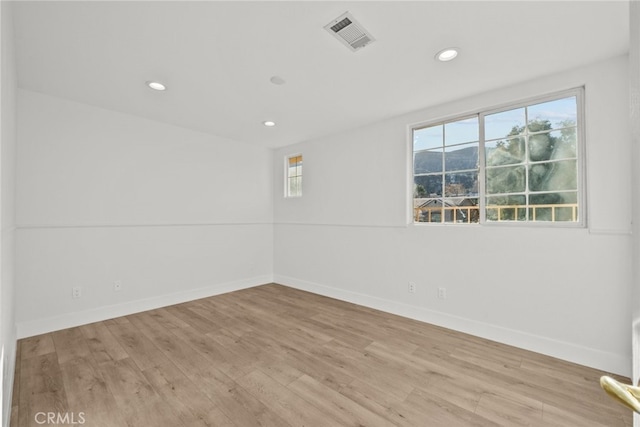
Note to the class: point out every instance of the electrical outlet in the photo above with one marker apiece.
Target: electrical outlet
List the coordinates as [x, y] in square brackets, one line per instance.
[117, 285]
[412, 287]
[442, 293]
[76, 292]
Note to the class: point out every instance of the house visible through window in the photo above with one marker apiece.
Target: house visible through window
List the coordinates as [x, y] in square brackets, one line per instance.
[516, 164]
[294, 176]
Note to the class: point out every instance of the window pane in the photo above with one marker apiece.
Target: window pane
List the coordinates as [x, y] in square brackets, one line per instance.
[295, 166]
[295, 186]
[294, 176]
[461, 157]
[505, 151]
[556, 114]
[554, 207]
[427, 161]
[460, 210]
[506, 208]
[565, 144]
[509, 179]
[564, 175]
[295, 161]
[461, 131]
[461, 184]
[504, 124]
[552, 145]
[553, 176]
[428, 210]
[430, 137]
[569, 197]
[540, 147]
[428, 185]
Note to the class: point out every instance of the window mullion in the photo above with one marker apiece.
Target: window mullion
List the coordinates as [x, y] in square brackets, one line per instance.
[481, 170]
[444, 173]
[526, 163]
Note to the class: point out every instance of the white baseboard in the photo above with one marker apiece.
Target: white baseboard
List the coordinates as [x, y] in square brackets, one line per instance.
[594, 358]
[41, 326]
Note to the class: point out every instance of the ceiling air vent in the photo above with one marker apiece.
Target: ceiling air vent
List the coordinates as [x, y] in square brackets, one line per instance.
[346, 29]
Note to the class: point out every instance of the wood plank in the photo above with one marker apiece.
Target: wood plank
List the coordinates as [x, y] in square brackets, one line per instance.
[137, 401]
[367, 368]
[236, 402]
[241, 354]
[339, 407]
[104, 347]
[136, 344]
[559, 417]
[36, 346]
[70, 344]
[215, 353]
[464, 394]
[436, 410]
[510, 409]
[191, 318]
[87, 393]
[188, 402]
[379, 402]
[166, 319]
[284, 402]
[303, 361]
[41, 388]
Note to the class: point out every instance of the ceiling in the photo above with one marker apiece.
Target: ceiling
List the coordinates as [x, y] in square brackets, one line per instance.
[217, 58]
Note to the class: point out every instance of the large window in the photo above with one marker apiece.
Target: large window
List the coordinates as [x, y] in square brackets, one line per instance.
[515, 164]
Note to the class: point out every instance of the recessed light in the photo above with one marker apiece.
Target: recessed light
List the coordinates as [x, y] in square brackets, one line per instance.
[269, 123]
[156, 85]
[447, 54]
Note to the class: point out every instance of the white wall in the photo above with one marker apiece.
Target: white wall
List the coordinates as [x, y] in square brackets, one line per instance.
[7, 218]
[103, 196]
[563, 292]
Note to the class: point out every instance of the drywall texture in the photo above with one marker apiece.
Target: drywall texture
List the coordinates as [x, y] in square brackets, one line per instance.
[103, 196]
[7, 220]
[563, 292]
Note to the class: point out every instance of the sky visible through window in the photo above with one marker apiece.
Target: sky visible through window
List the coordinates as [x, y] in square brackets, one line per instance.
[497, 125]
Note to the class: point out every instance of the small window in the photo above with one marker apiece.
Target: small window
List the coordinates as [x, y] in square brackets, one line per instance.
[515, 164]
[293, 184]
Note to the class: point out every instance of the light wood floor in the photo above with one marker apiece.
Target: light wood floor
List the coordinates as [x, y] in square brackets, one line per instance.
[275, 356]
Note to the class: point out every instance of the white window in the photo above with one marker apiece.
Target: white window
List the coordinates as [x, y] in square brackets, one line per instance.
[514, 164]
[293, 173]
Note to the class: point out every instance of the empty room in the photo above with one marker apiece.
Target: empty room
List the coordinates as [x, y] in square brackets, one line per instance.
[320, 213]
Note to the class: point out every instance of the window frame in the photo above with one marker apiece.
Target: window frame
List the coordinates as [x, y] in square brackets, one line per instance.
[481, 113]
[287, 178]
